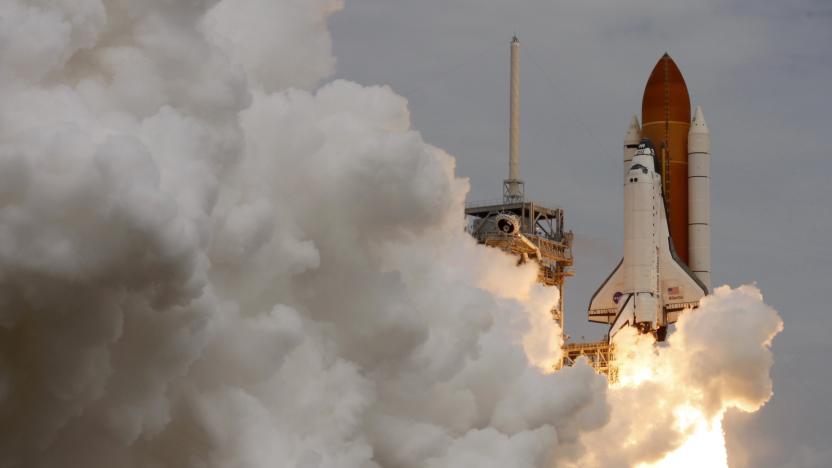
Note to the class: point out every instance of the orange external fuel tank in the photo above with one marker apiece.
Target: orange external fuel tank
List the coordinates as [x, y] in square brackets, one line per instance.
[665, 117]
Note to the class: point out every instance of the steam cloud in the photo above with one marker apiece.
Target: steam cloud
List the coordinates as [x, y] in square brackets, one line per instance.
[207, 260]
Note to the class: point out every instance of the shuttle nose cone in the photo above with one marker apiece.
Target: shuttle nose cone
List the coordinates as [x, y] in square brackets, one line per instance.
[666, 94]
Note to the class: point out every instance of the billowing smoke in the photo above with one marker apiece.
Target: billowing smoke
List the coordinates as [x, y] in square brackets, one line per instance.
[209, 260]
[717, 360]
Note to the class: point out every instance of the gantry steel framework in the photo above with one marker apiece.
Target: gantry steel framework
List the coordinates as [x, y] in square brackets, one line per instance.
[533, 232]
[600, 354]
[542, 238]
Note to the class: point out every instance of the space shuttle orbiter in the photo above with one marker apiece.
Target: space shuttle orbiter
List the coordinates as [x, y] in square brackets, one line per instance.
[651, 285]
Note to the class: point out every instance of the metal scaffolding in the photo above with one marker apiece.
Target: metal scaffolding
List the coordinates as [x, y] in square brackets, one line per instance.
[600, 355]
[541, 237]
[533, 232]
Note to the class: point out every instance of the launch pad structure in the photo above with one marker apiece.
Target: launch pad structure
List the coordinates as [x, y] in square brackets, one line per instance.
[537, 233]
[531, 231]
[538, 236]
[599, 354]
[534, 232]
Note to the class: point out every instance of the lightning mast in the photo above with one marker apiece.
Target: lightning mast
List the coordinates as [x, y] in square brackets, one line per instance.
[513, 187]
[529, 230]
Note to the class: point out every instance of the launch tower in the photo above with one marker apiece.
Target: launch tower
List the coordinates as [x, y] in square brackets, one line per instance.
[532, 231]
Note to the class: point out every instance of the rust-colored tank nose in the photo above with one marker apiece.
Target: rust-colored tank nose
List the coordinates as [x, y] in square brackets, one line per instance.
[665, 95]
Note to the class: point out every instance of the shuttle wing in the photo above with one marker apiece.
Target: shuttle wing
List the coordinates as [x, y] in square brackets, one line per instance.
[679, 287]
[608, 299]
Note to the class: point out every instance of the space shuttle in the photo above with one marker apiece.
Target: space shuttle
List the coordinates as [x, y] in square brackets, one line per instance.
[666, 265]
[651, 285]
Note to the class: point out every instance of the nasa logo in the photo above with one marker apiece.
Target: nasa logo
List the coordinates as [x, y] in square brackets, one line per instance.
[617, 297]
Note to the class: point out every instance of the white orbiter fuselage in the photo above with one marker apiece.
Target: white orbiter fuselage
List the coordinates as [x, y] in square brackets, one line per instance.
[651, 286]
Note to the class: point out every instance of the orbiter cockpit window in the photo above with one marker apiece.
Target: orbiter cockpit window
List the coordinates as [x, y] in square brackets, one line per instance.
[639, 166]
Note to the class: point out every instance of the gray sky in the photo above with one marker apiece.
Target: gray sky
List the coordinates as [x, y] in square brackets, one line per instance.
[761, 70]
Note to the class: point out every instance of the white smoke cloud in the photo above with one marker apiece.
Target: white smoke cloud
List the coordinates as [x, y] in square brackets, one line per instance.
[281, 44]
[717, 360]
[207, 261]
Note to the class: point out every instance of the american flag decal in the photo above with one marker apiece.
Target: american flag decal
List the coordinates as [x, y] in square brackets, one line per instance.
[673, 291]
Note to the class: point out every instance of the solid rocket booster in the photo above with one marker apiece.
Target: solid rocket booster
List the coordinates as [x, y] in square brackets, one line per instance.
[665, 120]
[699, 198]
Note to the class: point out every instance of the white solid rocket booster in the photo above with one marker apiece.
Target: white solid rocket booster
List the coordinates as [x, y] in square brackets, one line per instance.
[699, 198]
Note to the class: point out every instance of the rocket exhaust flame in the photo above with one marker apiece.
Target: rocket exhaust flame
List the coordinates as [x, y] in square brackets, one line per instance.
[705, 444]
[670, 399]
